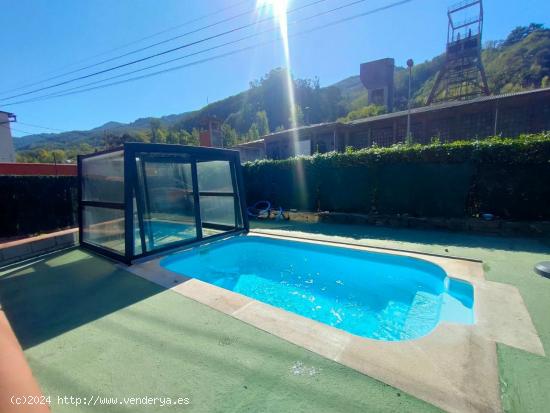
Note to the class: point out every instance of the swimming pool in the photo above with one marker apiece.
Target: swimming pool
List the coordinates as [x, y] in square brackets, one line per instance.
[374, 295]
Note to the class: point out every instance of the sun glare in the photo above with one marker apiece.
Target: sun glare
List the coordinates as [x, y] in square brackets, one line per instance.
[278, 7]
[279, 11]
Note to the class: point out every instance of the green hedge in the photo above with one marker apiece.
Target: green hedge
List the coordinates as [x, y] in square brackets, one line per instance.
[35, 204]
[507, 177]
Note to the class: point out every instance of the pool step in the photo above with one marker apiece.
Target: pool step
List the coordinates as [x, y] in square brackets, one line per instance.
[420, 319]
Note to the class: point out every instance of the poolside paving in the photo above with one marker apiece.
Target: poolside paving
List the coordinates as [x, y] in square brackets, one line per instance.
[89, 327]
[454, 367]
[524, 377]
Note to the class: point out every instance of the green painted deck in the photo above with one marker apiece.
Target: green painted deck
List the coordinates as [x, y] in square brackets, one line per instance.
[525, 377]
[90, 328]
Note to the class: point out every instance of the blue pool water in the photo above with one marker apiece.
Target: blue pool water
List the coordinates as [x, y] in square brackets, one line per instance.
[374, 295]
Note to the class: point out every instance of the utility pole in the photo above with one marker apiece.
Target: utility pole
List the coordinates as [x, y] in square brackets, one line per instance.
[495, 132]
[410, 64]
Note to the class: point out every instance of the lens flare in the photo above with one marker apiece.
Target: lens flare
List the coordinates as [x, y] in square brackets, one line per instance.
[278, 7]
[279, 10]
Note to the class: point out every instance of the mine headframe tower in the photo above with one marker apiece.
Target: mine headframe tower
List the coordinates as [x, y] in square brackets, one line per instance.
[462, 75]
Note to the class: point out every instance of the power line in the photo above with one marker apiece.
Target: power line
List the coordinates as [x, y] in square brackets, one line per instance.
[179, 26]
[333, 23]
[125, 46]
[191, 54]
[162, 53]
[15, 129]
[144, 48]
[48, 128]
[41, 127]
[339, 21]
[292, 23]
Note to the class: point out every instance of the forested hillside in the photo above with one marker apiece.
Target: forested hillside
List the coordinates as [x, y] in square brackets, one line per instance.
[520, 62]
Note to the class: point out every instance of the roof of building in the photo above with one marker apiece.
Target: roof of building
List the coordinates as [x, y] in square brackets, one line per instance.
[7, 113]
[253, 144]
[448, 105]
[314, 127]
[423, 109]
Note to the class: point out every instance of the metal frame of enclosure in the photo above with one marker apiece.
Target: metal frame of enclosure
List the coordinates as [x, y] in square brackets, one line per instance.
[142, 199]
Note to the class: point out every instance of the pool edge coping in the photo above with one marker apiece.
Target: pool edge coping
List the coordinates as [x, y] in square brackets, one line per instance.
[351, 244]
[467, 381]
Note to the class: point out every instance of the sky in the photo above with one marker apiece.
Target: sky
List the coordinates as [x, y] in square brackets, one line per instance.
[48, 38]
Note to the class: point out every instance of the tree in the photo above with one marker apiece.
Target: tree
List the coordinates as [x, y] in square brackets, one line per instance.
[181, 137]
[229, 136]
[253, 133]
[521, 32]
[194, 138]
[365, 112]
[360, 102]
[520, 62]
[45, 156]
[173, 137]
[155, 126]
[298, 116]
[110, 140]
[142, 136]
[262, 122]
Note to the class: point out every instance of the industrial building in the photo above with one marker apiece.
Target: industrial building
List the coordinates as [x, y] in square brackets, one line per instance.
[459, 106]
[505, 115]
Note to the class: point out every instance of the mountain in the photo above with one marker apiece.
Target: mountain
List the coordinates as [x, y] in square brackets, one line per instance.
[520, 62]
[95, 136]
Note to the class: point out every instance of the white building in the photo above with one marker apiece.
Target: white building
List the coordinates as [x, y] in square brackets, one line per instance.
[7, 153]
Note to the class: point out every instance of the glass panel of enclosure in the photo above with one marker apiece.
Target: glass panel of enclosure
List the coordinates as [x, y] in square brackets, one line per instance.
[166, 199]
[219, 203]
[104, 227]
[103, 178]
[172, 195]
[138, 241]
[102, 201]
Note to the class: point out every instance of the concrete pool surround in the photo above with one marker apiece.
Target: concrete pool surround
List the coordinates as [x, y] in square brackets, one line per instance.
[454, 367]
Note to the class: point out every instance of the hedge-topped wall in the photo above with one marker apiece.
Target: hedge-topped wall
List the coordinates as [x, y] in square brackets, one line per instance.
[35, 204]
[507, 177]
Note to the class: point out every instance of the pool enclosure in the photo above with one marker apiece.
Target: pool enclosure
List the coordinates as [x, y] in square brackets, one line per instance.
[142, 199]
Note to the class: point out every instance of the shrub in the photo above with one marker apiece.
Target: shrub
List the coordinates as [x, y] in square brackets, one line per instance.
[507, 177]
[34, 204]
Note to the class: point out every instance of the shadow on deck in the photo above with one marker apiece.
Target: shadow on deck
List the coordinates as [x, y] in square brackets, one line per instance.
[48, 296]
